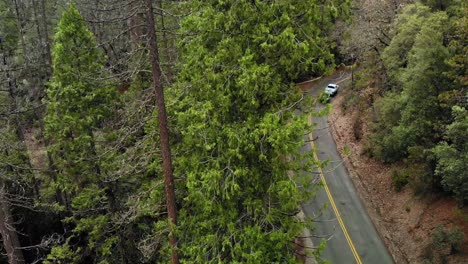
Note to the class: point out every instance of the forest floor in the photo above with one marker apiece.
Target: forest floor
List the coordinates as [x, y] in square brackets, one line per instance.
[404, 220]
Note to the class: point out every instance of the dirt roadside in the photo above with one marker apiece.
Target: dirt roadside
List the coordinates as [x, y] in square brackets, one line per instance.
[405, 222]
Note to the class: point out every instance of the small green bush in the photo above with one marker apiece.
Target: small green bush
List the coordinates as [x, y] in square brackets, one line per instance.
[444, 243]
[400, 179]
[422, 179]
[443, 238]
[455, 240]
[324, 98]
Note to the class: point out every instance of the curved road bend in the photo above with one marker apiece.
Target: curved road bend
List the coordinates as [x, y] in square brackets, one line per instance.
[351, 237]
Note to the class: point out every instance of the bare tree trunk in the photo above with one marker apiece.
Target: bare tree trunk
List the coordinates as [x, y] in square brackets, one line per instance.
[46, 38]
[21, 24]
[166, 44]
[9, 236]
[163, 131]
[134, 24]
[45, 74]
[38, 28]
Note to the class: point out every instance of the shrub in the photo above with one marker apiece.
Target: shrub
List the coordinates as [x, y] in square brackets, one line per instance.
[421, 178]
[400, 179]
[324, 98]
[443, 239]
[455, 240]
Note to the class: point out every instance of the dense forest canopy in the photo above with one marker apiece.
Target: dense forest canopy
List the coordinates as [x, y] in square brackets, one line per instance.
[82, 166]
[422, 115]
[84, 175]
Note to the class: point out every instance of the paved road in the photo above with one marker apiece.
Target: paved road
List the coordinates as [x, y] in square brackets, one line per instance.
[352, 237]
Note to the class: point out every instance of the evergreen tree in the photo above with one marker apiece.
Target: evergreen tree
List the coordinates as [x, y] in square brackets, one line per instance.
[458, 47]
[423, 81]
[452, 156]
[8, 29]
[407, 26]
[430, 69]
[78, 102]
[238, 133]
[414, 116]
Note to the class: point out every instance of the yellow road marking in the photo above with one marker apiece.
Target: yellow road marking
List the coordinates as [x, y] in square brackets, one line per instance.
[332, 201]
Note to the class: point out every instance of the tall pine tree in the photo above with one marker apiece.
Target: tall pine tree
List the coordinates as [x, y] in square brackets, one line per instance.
[78, 101]
[238, 135]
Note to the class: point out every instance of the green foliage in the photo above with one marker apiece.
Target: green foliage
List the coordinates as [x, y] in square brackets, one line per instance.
[15, 174]
[420, 167]
[62, 255]
[384, 145]
[324, 98]
[239, 135]
[13, 157]
[77, 105]
[357, 127]
[399, 179]
[407, 26]
[423, 81]
[444, 243]
[452, 156]
[443, 239]
[458, 46]
[417, 172]
[414, 116]
[8, 27]
[426, 62]
[460, 214]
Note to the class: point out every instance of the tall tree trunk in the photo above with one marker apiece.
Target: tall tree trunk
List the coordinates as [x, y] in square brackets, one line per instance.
[9, 236]
[134, 24]
[38, 29]
[46, 37]
[21, 24]
[163, 131]
[166, 44]
[45, 72]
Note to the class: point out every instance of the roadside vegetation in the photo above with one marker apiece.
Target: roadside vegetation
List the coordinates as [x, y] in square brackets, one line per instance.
[419, 95]
[421, 117]
[411, 81]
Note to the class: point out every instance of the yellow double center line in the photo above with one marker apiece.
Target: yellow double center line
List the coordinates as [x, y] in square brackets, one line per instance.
[332, 201]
